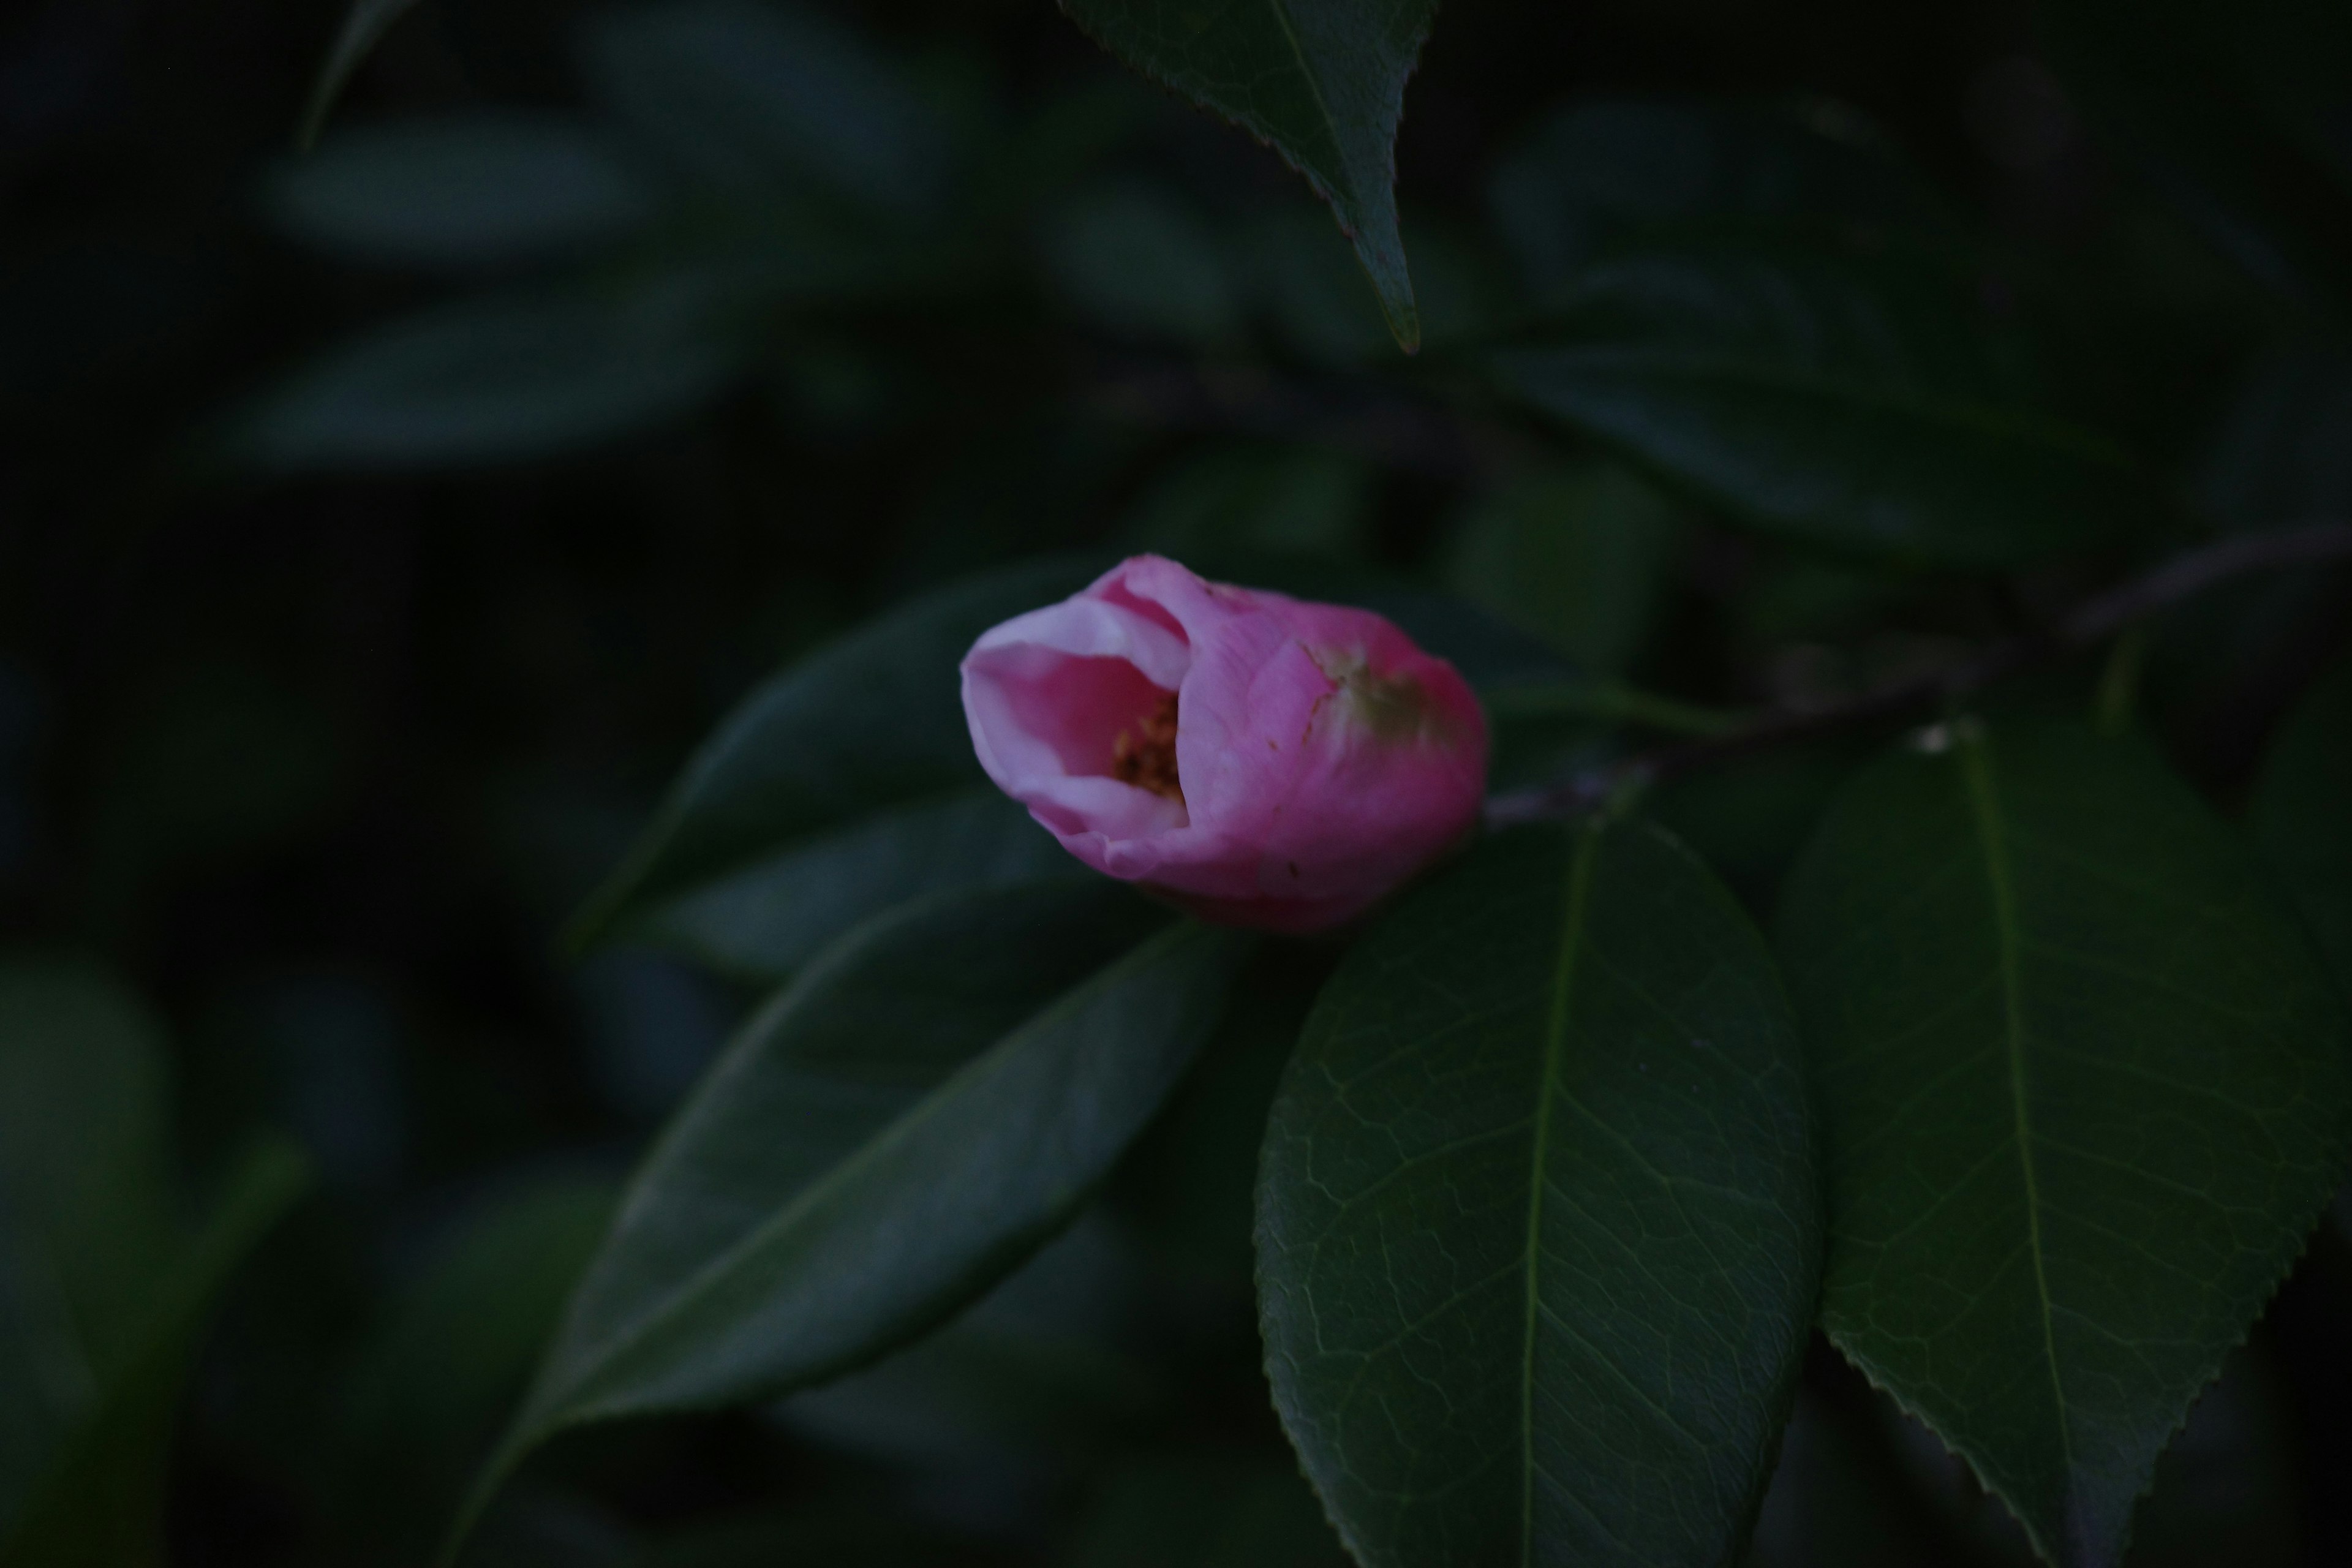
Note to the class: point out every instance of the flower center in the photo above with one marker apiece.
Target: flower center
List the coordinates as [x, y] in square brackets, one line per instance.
[1144, 754]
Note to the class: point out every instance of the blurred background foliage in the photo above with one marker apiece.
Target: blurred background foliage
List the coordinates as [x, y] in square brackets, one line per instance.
[381, 526]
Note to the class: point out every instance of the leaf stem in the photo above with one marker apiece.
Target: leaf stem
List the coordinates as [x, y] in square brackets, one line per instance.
[2088, 624]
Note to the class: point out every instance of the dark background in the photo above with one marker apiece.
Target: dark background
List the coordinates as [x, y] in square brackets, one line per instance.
[321, 760]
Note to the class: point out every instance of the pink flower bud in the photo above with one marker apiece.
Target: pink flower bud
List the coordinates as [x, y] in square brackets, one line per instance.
[1256, 759]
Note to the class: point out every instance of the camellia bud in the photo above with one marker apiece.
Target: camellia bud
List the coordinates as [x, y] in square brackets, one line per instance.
[1256, 759]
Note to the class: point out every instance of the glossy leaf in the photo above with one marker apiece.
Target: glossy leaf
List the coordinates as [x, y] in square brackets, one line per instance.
[1321, 81]
[463, 191]
[1539, 1232]
[100, 1503]
[2302, 818]
[1859, 401]
[2083, 1094]
[499, 378]
[853, 760]
[887, 1140]
[2235, 110]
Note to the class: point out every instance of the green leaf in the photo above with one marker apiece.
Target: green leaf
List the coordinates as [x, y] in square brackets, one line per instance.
[2302, 818]
[1139, 261]
[1577, 556]
[752, 97]
[364, 26]
[892, 1135]
[100, 1504]
[463, 191]
[842, 786]
[1322, 83]
[1195, 1511]
[766, 918]
[2236, 111]
[428, 1392]
[500, 378]
[1862, 401]
[2083, 1094]
[1602, 171]
[86, 1210]
[1538, 1230]
[1259, 498]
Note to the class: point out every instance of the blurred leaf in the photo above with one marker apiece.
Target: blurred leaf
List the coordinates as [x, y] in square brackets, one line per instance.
[1279, 500]
[1537, 1220]
[364, 26]
[2302, 816]
[836, 789]
[485, 189]
[887, 1140]
[2241, 112]
[1035, 1367]
[1579, 556]
[222, 762]
[2280, 458]
[1192, 1181]
[499, 378]
[100, 1504]
[1604, 170]
[2085, 1094]
[1751, 818]
[1139, 262]
[1207, 1511]
[1859, 401]
[770, 916]
[1307, 287]
[750, 94]
[1323, 85]
[86, 1213]
[426, 1395]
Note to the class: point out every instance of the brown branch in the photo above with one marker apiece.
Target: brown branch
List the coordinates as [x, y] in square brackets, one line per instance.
[2085, 626]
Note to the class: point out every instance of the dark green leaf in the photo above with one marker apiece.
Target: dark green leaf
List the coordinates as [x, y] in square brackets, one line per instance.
[836, 789]
[1034, 1369]
[428, 1392]
[1138, 262]
[765, 919]
[2084, 1093]
[364, 26]
[86, 1212]
[2236, 110]
[1322, 83]
[500, 378]
[1605, 170]
[463, 191]
[1864, 402]
[2302, 816]
[101, 1504]
[1203, 1512]
[891, 1136]
[751, 95]
[1576, 556]
[1539, 1232]
[1285, 499]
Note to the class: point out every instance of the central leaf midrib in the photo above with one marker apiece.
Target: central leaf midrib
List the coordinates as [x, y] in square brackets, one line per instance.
[1580, 883]
[1985, 810]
